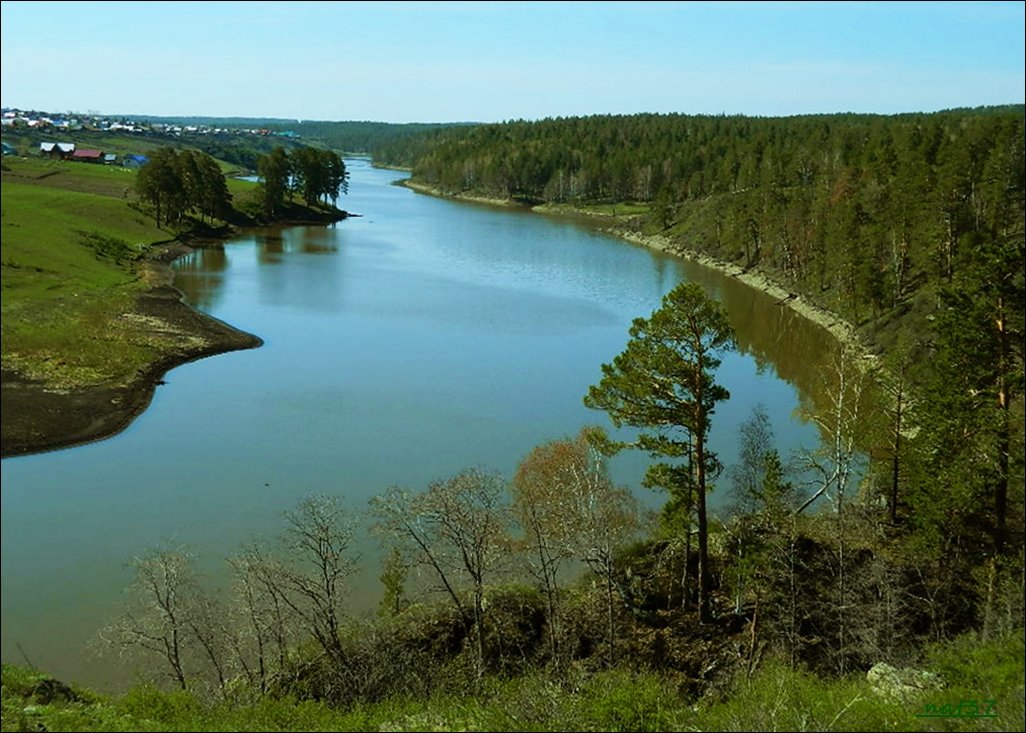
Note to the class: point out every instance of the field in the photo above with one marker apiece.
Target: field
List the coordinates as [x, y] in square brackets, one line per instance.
[73, 239]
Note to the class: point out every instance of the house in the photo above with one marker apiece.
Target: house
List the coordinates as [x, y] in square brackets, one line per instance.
[57, 151]
[134, 161]
[110, 159]
[87, 155]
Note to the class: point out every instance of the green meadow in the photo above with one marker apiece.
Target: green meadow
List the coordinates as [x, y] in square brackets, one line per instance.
[72, 239]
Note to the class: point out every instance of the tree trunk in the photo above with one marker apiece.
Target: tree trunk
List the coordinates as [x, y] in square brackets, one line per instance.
[1004, 435]
[704, 580]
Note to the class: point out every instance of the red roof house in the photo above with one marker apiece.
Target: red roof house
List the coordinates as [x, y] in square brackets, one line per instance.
[88, 155]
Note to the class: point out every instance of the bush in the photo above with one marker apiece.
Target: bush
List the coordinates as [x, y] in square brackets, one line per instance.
[514, 628]
[108, 248]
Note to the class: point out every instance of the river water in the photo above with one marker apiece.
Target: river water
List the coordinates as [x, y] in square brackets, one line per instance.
[401, 346]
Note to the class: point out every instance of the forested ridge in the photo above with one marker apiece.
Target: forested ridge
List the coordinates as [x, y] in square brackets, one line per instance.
[861, 209]
[909, 226]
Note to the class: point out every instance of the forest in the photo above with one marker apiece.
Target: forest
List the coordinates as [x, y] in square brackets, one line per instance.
[859, 211]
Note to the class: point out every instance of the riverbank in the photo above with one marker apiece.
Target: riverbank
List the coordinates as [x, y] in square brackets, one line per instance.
[40, 417]
[91, 319]
[437, 192]
[843, 331]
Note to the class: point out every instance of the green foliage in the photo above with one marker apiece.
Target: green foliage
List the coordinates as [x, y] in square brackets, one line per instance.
[176, 182]
[514, 627]
[985, 667]
[663, 383]
[774, 698]
[393, 581]
[316, 174]
[147, 702]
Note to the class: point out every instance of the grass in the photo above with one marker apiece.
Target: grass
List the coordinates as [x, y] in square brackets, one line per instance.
[70, 238]
[775, 698]
[620, 209]
[623, 209]
[72, 233]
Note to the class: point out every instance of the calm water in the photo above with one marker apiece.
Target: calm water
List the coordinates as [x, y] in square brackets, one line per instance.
[422, 338]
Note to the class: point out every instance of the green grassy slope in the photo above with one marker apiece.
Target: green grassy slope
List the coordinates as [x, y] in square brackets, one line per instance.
[70, 240]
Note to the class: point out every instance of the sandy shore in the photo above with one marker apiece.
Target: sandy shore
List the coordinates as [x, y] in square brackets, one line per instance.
[432, 191]
[843, 331]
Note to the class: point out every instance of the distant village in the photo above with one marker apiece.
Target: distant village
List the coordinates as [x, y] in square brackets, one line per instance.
[17, 120]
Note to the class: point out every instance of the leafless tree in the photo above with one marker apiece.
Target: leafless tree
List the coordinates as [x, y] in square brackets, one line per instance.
[457, 529]
[312, 585]
[160, 615]
[834, 464]
[264, 621]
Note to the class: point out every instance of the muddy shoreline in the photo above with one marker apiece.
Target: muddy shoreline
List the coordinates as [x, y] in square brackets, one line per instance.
[37, 418]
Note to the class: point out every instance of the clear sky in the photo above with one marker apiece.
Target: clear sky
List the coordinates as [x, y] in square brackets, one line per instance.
[479, 61]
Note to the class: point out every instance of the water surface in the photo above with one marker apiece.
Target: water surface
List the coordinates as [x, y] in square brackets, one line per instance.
[400, 347]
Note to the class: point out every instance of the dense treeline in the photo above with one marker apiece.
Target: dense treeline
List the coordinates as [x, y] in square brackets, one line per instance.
[240, 150]
[176, 182]
[866, 207]
[350, 136]
[364, 137]
[911, 226]
[317, 175]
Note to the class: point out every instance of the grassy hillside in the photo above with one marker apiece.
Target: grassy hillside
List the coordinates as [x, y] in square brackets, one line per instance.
[774, 698]
[70, 244]
[73, 242]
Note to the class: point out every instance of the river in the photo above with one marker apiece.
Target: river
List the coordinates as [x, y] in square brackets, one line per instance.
[401, 346]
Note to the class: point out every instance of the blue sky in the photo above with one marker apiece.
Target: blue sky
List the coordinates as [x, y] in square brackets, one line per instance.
[476, 61]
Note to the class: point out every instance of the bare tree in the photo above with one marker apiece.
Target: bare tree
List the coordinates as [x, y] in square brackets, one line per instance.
[264, 622]
[604, 518]
[318, 538]
[457, 528]
[157, 618]
[833, 466]
[838, 457]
